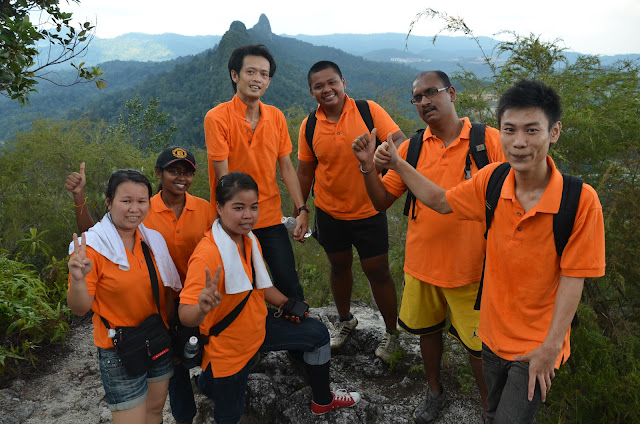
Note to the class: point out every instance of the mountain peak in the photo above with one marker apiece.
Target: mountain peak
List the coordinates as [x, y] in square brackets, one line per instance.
[263, 26]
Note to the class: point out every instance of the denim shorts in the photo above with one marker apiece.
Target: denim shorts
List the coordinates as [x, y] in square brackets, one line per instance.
[122, 391]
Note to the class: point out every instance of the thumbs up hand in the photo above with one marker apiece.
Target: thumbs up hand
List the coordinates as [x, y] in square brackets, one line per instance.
[76, 181]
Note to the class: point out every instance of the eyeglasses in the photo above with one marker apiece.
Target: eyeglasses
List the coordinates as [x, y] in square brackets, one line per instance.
[176, 172]
[429, 93]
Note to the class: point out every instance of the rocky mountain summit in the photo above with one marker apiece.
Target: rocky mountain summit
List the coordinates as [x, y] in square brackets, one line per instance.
[70, 390]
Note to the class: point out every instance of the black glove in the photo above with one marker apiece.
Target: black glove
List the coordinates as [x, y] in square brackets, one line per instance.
[293, 308]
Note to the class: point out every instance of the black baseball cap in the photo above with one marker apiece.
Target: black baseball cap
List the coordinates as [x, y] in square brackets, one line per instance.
[174, 154]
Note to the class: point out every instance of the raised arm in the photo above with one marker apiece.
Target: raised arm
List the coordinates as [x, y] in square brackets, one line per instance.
[78, 297]
[425, 190]
[364, 147]
[76, 181]
[543, 359]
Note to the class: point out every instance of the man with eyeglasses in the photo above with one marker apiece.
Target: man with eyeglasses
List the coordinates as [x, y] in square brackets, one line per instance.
[443, 256]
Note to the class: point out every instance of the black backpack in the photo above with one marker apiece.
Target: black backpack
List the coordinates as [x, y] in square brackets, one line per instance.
[477, 149]
[562, 221]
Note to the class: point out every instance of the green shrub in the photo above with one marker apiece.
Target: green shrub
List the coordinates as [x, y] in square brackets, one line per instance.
[33, 313]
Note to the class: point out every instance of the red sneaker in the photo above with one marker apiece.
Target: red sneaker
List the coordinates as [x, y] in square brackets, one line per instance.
[341, 399]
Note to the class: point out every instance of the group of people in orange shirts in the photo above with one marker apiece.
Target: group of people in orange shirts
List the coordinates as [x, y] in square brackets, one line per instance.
[212, 257]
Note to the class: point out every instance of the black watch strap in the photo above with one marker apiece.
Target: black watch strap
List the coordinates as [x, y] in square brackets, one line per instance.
[303, 208]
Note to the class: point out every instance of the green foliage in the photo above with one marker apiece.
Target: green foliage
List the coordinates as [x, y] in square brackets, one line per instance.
[19, 48]
[145, 126]
[33, 312]
[34, 168]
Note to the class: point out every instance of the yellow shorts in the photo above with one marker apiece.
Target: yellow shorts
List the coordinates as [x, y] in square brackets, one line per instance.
[424, 311]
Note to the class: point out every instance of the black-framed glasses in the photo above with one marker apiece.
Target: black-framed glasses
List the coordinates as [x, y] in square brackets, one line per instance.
[175, 172]
[429, 93]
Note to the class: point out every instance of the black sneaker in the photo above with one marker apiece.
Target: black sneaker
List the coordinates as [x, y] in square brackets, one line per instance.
[429, 410]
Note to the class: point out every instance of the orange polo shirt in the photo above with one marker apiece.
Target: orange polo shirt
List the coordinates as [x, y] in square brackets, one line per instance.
[228, 135]
[441, 249]
[339, 187]
[182, 235]
[523, 269]
[235, 346]
[123, 298]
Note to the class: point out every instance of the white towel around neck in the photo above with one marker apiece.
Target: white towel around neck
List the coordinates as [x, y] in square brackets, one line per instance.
[236, 279]
[104, 239]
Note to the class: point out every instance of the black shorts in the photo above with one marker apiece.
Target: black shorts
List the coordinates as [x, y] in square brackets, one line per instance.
[370, 236]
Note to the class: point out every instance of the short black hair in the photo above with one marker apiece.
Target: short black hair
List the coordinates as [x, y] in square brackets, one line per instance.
[122, 176]
[237, 59]
[531, 93]
[232, 183]
[321, 66]
[444, 78]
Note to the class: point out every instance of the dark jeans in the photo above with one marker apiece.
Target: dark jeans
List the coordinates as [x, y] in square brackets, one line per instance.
[228, 393]
[508, 386]
[183, 405]
[278, 254]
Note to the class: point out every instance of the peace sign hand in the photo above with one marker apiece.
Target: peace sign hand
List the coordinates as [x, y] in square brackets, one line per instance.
[79, 265]
[210, 297]
[76, 181]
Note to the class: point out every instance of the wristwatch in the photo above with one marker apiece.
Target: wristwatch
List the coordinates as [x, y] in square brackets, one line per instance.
[303, 208]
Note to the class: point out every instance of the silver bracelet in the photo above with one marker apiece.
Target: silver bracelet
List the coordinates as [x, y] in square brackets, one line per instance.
[373, 165]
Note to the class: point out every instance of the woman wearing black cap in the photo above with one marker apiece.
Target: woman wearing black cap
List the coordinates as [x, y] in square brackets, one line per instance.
[181, 219]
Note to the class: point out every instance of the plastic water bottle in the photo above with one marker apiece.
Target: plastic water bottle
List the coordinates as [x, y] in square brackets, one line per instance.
[191, 350]
[290, 224]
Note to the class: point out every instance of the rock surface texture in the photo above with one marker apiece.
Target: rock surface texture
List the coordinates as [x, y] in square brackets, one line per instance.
[69, 391]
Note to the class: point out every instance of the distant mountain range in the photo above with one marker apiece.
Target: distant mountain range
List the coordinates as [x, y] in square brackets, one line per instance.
[189, 74]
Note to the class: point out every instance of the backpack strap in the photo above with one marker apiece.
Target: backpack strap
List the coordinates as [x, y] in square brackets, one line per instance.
[494, 187]
[154, 281]
[415, 145]
[310, 129]
[365, 113]
[477, 149]
[563, 221]
[219, 327]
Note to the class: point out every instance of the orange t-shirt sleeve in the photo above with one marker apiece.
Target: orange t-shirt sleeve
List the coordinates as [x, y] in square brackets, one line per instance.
[286, 147]
[216, 134]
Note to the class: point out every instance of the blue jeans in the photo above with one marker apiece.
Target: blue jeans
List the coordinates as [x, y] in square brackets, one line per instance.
[121, 391]
[228, 393]
[278, 254]
[183, 405]
[508, 386]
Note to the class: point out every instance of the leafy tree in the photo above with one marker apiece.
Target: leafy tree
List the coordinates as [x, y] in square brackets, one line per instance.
[145, 126]
[19, 38]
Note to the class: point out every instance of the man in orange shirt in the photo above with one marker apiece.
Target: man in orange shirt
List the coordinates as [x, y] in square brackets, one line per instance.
[246, 135]
[344, 213]
[436, 280]
[530, 293]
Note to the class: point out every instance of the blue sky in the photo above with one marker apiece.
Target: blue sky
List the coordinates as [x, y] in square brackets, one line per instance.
[587, 26]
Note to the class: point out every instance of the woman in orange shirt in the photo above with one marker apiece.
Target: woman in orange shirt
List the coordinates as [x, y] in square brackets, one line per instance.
[182, 220]
[239, 289]
[109, 274]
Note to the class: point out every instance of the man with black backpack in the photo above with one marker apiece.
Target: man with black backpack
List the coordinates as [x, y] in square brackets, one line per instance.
[533, 275]
[443, 256]
[344, 214]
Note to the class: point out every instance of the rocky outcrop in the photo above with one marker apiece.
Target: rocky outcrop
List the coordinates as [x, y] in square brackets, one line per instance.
[71, 391]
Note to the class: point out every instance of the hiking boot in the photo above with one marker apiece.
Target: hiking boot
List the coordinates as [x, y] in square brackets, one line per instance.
[341, 330]
[341, 399]
[388, 345]
[429, 410]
